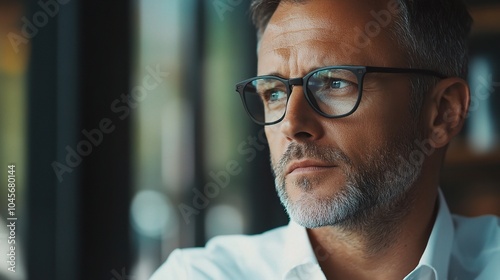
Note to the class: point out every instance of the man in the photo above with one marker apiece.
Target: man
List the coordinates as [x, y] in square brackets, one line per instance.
[360, 100]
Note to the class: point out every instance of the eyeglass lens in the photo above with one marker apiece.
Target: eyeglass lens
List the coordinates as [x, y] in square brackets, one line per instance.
[333, 92]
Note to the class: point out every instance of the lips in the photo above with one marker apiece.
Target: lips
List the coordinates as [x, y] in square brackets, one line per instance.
[307, 166]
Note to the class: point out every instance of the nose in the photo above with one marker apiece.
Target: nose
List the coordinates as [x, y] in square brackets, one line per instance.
[301, 121]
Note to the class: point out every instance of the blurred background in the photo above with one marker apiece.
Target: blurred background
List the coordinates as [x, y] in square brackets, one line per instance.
[129, 140]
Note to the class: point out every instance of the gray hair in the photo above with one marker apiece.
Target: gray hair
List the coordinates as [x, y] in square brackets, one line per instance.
[432, 33]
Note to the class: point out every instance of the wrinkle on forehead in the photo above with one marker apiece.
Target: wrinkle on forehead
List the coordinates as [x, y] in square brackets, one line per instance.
[301, 37]
[287, 55]
[286, 38]
[294, 27]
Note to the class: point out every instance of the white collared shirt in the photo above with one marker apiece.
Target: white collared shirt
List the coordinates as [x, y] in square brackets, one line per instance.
[458, 249]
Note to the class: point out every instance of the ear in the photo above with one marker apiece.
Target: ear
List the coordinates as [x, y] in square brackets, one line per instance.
[448, 108]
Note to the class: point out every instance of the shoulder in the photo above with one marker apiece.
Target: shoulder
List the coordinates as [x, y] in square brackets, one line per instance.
[478, 235]
[226, 257]
[476, 246]
[247, 246]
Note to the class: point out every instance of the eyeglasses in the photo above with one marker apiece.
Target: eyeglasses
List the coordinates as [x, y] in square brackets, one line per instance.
[333, 92]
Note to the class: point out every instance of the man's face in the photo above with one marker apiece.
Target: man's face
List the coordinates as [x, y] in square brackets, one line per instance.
[333, 171]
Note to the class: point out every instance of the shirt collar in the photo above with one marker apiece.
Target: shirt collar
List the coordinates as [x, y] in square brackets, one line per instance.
[299, 257]
[436, 257]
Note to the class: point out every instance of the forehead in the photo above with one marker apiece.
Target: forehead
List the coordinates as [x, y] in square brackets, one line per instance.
[318, 33]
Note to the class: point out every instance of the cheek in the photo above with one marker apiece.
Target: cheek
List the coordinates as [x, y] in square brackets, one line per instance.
[377, 122]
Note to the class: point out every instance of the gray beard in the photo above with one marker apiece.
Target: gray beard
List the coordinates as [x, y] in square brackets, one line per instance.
[376, 192]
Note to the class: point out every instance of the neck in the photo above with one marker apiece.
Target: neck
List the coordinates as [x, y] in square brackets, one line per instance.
[384, 244]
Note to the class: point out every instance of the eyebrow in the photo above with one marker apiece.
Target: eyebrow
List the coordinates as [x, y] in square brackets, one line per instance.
[275, 74]
[282, 76]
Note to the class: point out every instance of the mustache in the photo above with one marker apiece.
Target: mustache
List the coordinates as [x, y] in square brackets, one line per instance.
[296, 151]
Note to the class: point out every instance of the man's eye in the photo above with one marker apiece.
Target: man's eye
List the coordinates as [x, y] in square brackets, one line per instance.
[276, 95]
[337, 84]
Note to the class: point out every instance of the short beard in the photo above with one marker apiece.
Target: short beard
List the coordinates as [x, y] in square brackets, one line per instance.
[379, 190]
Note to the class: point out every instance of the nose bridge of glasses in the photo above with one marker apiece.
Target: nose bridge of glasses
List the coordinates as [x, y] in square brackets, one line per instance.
[294, 82]
[297, 82]
[300, 82]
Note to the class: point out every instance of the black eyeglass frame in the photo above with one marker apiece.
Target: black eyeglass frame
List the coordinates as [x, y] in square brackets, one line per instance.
[359, 71]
